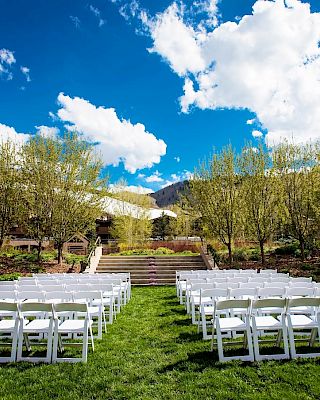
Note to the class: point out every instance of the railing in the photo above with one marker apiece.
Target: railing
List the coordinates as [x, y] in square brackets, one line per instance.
[93, 257]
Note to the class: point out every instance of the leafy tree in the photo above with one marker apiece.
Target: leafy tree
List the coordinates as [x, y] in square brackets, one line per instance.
[298, 167]
[10, 183]
[162, 226]
[215, 189]
[63, 188]
[131, 223]
[260, 191]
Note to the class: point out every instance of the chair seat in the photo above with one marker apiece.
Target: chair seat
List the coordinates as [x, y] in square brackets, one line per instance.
[231, 324]
[7, 325]
[72, 325]
[302, 321]
[267, 322]
[37, 325]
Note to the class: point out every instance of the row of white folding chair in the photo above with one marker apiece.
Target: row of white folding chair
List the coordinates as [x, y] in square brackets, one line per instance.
[51, 326]
[203, 302]
[104, 299]
[251, 320]
[97, 303]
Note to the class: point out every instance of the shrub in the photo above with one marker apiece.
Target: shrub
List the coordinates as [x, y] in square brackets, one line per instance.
[10, 277]
[240, 255]
[74, 258]
[163, 250]
[288, 249]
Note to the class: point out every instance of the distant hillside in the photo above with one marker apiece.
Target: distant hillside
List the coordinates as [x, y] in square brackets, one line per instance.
[170, 194]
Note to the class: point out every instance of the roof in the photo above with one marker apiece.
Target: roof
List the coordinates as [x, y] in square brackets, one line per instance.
[119, 208]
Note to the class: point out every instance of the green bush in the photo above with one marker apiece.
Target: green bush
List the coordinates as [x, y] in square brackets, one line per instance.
[10, 277]
[240, 255]
[163, 250]
[74, 258]
[307, 267]
[288, 249]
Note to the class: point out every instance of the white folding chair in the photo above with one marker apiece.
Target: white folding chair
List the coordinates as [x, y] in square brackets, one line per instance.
[9, 329]
[107, 300]
[208, 297]
[39, 326]
[263, 323]
[73, 326]
[95, 307]
[231, 324]
[298, 322]
[195, 298]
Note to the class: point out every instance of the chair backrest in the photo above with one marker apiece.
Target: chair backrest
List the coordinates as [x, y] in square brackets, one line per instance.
[299, 291]
[52, 288]
[248, 271]
[76, 287]
[227, 285]
[253, 285]
[214, 293]
[30, 295]
[271, 292]
[35, 306]
[8, 295]
[270, 303]
[87, 296]
[276, 284]
[242, 293]
[258, 279]
[104, 287]
[301, 279]
[239, 279]
[8, 306]
[231, 304]
[196, 287]
[70, 307]
[303, 302]
[278, 278]
[58, 297]
[268, 271]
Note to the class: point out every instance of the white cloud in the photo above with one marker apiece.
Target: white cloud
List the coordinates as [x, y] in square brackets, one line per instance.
[268, 63]
[257, 134]
[97, 13]
[175, 41]
[6, 60]
[251, 121]
[76, 21]
[177, 159]
[7, 133]
[130, 188]
[118, 139]
[53, 116]
[177, 177]
[26, 73]
[155, 177]
[141, 176]
[48, 131]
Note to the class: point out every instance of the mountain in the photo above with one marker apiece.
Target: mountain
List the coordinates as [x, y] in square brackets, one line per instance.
[170, 194]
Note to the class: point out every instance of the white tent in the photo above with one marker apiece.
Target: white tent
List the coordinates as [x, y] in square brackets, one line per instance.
[117, 207]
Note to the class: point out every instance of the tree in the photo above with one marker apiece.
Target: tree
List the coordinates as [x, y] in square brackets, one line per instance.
[39, 169]
[10, 204]
[215, 190]
[260, 191]
[63, 188]
[131, 223]
[162, 226]
[298, 167]
[78, 192]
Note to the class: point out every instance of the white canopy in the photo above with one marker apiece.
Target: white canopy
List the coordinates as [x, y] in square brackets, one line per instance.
[119, 208]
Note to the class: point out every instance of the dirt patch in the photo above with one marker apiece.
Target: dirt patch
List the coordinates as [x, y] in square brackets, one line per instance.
[10, 265]
[287, 264]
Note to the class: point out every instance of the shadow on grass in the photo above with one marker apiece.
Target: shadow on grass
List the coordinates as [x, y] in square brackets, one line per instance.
[181, 322]
[188, 337]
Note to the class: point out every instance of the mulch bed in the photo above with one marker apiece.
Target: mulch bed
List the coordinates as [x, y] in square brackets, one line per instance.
[292, 265]
[9, 265]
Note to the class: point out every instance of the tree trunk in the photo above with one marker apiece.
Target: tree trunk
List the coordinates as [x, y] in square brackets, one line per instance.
[229, 245]
[302, 249]
[60, 253]
[263, 257]
[39, 251]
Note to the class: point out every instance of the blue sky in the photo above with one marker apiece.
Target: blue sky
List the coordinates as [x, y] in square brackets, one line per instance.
[203, 83]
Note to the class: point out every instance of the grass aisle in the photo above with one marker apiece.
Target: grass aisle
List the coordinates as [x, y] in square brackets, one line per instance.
[152, 352]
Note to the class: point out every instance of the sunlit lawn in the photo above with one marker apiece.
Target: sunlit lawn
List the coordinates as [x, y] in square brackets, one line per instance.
[153, 352]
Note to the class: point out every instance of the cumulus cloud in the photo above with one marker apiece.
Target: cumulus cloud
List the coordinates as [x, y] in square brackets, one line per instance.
[26, 73]
[177, 177]
[155, 177]
[251, 121]
[119, 140]
[257, 134]
[48, 131]
[267, 62]
[7, 133]
[6, 60]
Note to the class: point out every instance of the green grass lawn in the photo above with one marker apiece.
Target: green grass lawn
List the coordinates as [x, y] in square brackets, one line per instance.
[153, 352]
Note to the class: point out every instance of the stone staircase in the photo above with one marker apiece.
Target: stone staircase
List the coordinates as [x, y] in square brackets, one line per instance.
[150, 270]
